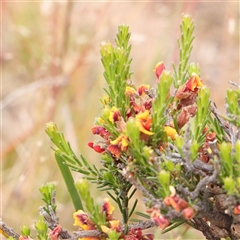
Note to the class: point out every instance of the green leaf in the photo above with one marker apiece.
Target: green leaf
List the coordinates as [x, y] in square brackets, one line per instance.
[185, 48]
[233, 106]
[42, 228]
[229, 185]
[142, 215]
[69, 181]
[47, 192]
[176, 224]
[164, 180]
[159, 107]
[98, 217]
[25, 231]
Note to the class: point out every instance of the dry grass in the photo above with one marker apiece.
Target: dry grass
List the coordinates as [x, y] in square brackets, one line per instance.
[52, 71]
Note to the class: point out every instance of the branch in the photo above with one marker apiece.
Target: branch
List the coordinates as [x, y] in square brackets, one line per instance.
[8, 231]
[222, 122]
[52, 221]
[202, 226]
[97, 233]
[138, 186]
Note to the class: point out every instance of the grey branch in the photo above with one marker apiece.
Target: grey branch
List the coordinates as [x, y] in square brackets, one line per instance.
[8, 230]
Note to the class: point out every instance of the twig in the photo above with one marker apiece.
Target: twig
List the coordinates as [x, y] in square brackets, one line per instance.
[234, 84]
[206, 180]
[57, 81]
[220, 120]
[202, 226]
[97, 233]
[8, 231]
[138, 186]
[52, 221]
[87, 233]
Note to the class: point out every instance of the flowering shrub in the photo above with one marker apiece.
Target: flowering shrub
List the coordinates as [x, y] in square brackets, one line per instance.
[168, 142]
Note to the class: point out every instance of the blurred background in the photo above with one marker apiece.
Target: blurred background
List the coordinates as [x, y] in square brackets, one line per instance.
[51, 71]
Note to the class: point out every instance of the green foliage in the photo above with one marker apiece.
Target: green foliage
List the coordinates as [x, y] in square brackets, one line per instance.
[152, 139]
[172, 146]
[194, 68]
[202, 114]
[116, 64]
[160, 106]
[185, 49]
[25, 231]
[233, 106]
[230, 167]
[47, 192]
[113, 235]
[98, 217]
[164, 180]
[42, 228]
[69, 181]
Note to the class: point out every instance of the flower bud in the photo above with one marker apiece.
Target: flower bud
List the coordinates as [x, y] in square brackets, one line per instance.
[159, 69]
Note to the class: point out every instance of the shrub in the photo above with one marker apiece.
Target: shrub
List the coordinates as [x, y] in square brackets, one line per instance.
[168, 142]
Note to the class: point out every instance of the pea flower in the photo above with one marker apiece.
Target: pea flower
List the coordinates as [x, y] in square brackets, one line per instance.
[136, 234]
[130, 90]
[144, 121]
[82, 220]
[175, 201]
[171, 132]
[159, 69]
[118, 145]
[114, 115]
[96, 148]
[107, 207]
[194, 83]
[114, 225]
[188, 91]
[55, 233]
[159, 219]
[143, 89]
[101, 131]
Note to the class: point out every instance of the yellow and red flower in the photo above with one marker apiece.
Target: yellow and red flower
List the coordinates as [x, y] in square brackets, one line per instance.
[194, 83]
[159, 69]
[101, 131]
[144, 121]
[158, 218]
[189, 89]
[121, 141]
[55, 233]
[136, 234]
[118, 145]
[130, 90]
[96, 148]
[143, 89]
[108, 208]
[171, 132]
[82, 220]
[114, 225]
[114, 115]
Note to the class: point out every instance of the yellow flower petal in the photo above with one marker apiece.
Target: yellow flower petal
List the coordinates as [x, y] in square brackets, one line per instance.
[171, 132]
